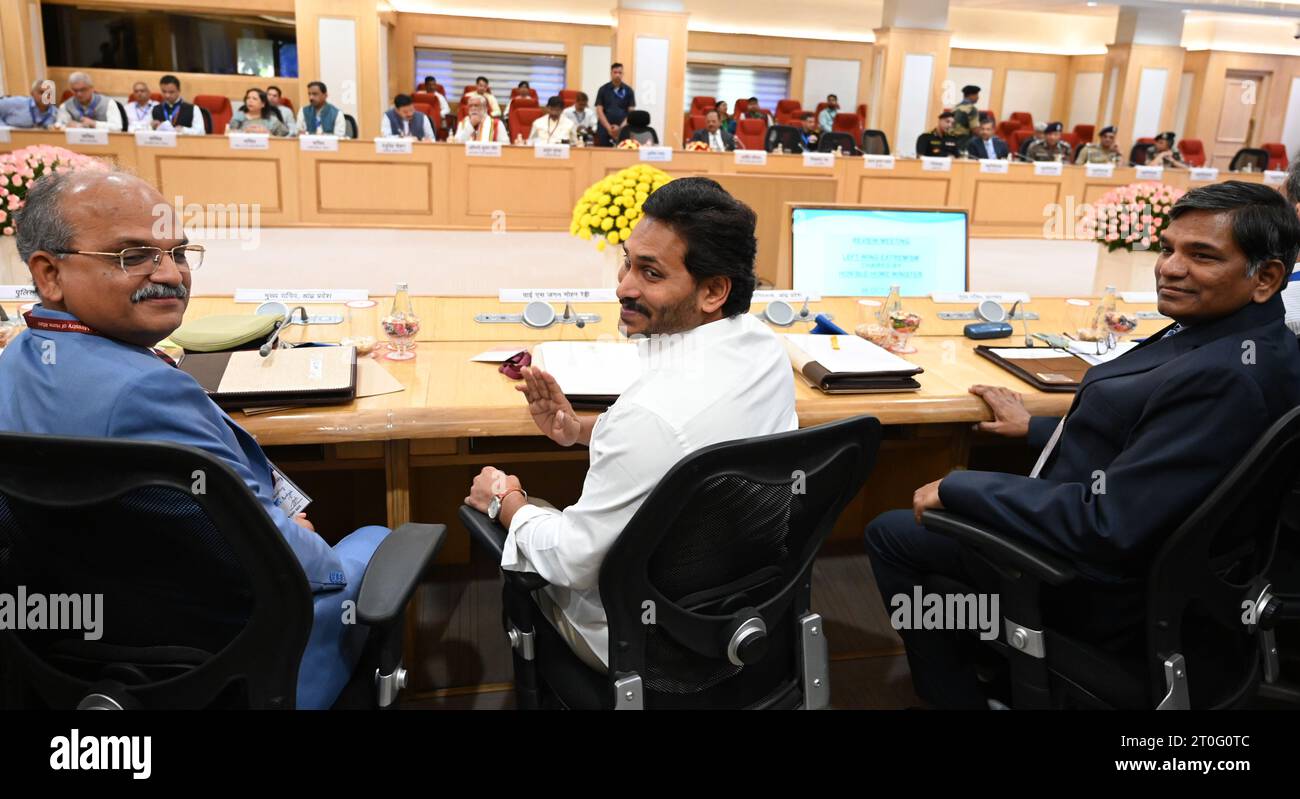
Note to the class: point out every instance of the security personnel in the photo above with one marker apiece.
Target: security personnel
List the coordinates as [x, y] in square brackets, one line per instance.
[939, 142]
[1163, 153]
[1051, 148]
[1105, 153]
[965, 117]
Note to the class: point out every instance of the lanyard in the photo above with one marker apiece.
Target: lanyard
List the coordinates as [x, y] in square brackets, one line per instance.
[73, 326]
[142, 111]
[85, 112]
[172, 114]
[44, 119]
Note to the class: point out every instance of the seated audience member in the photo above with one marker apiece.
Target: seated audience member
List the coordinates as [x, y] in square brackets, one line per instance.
[87, 108]
[1051, 148]
[554, 127]
[478, 125]
[257, 115]
[939, 142]
[1040, 134]
[727, 120]
[173, 113]
[523, 84]
[1163, 423]
[686, 281]
[404, 121]
[582, 116]
[614, 102]
[482, 90]
[33, 111]
[139, 109]
[430, 86]
[809, 132]
[984, 144]
[713, 135]
[1107, 152]
[319, 116]
[102, 314]
[1162, 153]
[284, 112]
[827, 119]
[753, 111]
[638, 128]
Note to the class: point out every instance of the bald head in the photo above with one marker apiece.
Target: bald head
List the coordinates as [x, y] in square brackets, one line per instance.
[92, 211]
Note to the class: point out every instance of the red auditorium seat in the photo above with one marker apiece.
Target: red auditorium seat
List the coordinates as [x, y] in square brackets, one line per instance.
[702, 103]
[522, 119]
[1007, 127]
[1071, 139]
[1018, 136]
[568, 96]
[286, 102]
[426, 98]
[1276, 155]
[694, 122]
[739, 108]
[1026, 119]
[429, 111]
[1193, 152]
[862, 114]
[751, 133]
[787, 109]
[516, 93]
[218, 107]
[1085, 132]
[848, 123]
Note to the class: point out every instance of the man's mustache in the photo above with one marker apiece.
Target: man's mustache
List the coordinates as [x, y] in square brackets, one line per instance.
[160, 291]
[633, 305]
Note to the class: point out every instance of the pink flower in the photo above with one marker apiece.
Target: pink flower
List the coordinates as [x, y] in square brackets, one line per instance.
[9, 231]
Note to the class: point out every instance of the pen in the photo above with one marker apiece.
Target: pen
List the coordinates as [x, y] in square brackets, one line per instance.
[835, 342]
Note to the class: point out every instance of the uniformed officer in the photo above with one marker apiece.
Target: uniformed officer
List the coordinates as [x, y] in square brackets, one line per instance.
[965, 117]
[1107, 152]
[1162, 153]
[939, 142]
[1051, 148]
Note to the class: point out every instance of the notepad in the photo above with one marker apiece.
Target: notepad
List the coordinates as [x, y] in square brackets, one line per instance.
[591, 373]
[298, 376]
[849, 364]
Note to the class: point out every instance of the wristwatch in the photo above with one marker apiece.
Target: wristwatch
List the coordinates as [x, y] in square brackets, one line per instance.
[494, 507]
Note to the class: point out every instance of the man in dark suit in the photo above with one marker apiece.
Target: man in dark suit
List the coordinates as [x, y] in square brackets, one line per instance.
[939, 142]
[984, 144]
[713, 133]
[1147, 438]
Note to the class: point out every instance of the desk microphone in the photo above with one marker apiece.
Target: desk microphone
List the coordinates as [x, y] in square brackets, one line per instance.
[569, 314]
[1029, 341]
[270, 344]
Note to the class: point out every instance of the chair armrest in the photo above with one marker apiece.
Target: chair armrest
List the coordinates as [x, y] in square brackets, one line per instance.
[491, 536]
[1000, 548]
[395, 569]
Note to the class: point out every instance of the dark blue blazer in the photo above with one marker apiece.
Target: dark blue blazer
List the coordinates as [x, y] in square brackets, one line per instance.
[1164, 423]
[975, 147]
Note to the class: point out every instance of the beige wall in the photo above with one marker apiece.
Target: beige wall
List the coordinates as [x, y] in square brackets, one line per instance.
[798, 51]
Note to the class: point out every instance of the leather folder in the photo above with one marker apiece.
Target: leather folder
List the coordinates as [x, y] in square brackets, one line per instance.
[300, 376]
[1061, 373]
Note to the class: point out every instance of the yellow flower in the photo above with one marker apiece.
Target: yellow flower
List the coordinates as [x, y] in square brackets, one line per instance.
[613, 237]
[602, 212]
[642, 196]
[621, 222]
[643, 187]
[606, 223]
[600, 245]
[585, 234]
[585, 220]
[632, 212]
[624, 233]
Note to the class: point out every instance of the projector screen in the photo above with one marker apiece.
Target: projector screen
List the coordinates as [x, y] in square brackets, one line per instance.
[861, 252]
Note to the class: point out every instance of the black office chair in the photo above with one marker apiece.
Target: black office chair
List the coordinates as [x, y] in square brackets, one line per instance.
[1201, 649]
[207, 119]
[203, 603]
[638, 128]
[1137, 156]
[837, 140]
[1078, 148]
[875, 142]
[720, 554]
[1256, 158]
[121, 110]
[787, 137]
[350, 126]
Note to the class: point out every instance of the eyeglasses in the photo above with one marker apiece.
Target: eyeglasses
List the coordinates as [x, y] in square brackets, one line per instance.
[141, 261]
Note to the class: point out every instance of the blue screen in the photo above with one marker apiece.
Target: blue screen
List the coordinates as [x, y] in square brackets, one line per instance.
[856, 252]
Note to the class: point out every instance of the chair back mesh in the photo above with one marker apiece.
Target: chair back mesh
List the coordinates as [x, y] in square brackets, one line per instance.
[1255, 157]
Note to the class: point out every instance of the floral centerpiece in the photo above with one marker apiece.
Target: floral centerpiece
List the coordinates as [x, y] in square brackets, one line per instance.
[20, 168]
[697, 147]
[611, 208]
[629, 144]
[1131, 217]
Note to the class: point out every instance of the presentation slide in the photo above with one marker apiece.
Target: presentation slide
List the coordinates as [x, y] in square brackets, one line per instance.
[852, 252]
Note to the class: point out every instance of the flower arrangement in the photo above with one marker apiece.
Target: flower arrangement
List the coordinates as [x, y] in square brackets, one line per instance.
[20, 168]
[697, 146]
[611, 208]
[629, 144]
[1131, 217]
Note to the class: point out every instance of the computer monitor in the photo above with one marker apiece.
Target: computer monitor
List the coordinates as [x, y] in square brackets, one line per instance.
[854, 251]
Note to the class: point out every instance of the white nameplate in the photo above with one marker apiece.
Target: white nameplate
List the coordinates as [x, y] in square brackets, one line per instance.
[17, 293]
[967, 297]
[751, 157]
[930, 163]
[656, 153]
[556, 295]
[994, 166]
[558, 152]
[250, 141]
[483, 149]
[318, 144]
[1138, 297]
[300, 296]
[819, 159]
[878, 161]
[785, 295]
[4, 134]
[1272, 177]
[1204, 173]
[84, 136]
[155, 138]
[392, 145]
[1149, 172]
[1099, 170]
[1047, 169]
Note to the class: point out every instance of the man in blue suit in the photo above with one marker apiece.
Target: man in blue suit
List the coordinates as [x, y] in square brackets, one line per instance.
[984, 144]
[86, 367]
[1162, 425]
